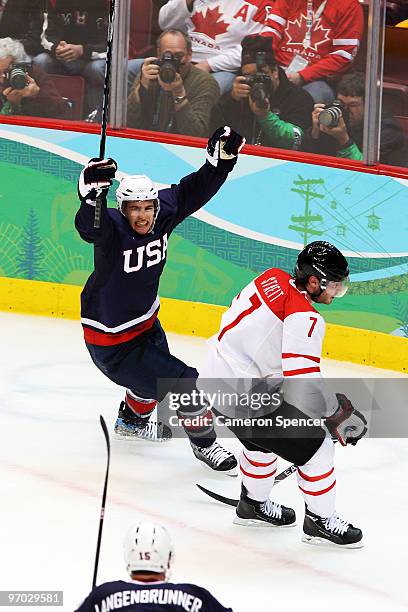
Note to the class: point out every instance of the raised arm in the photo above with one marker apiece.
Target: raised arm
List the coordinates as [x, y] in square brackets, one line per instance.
[196, 189]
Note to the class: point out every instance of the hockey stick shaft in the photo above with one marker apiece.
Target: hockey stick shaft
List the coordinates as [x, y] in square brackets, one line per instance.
[234, 502]
[105, 104]
[105, 488]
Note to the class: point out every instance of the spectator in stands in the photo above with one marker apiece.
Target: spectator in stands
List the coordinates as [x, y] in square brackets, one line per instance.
[316, 40]
[36, 96]
[277, 119]
[75, 43]
[346, 139]
[182, 102]
[216, 29]
[22, 20]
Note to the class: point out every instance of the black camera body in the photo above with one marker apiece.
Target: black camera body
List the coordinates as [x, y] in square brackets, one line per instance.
[16, 76]
[169, 67]
[332, 113]
[260, 83]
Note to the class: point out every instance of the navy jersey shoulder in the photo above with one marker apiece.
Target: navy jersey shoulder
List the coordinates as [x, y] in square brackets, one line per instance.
[151, 597]
[121, 293]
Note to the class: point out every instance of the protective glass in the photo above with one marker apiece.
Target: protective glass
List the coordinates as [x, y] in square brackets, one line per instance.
[338, 289]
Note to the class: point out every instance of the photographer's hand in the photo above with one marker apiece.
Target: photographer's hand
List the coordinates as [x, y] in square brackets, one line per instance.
[240, 89]
[259, 112]
[339, 132]
[176, 87]
[315, 121]
[150, 72]
[14, 96]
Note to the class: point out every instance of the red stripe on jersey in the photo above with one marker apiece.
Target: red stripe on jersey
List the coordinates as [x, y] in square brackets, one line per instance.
[105, 339]
[255, 303]
[140, 407]
[290, 355]
[258, 463]
[322, 492]
[257, 475]
[300, 371]
[315, 478]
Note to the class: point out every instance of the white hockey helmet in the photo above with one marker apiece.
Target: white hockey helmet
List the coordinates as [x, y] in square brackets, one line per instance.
[136, 188]
[148, 548]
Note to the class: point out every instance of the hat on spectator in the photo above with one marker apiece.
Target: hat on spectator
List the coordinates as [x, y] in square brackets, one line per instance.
[250, 47]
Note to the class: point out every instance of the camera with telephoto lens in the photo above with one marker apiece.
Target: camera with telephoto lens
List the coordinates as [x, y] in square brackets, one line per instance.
[169, 67]
[332, 113]
[16, 76]
[260, 83]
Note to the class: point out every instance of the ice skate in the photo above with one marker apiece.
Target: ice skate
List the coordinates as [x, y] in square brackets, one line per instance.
[331, 531]
[252, 513]
[216, 458]
[129, 426]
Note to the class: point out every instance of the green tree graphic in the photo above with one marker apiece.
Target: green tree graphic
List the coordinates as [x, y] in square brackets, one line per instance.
[29, 259]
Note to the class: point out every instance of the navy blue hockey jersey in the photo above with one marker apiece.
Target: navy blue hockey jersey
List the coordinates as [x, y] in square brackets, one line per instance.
[119, 300]
[150, 597]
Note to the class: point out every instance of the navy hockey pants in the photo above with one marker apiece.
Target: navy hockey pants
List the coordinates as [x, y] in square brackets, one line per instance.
[148, 370]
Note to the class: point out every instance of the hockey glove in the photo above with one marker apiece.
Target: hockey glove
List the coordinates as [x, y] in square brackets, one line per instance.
[347, 424]
[96, 178]
[223, 148]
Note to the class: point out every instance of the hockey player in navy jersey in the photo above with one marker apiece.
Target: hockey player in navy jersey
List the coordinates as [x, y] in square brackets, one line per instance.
[272, 333]
[149, 554]
[119, 303]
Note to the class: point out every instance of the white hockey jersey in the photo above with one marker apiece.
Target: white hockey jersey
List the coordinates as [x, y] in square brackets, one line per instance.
[217, 27]
[272, 330]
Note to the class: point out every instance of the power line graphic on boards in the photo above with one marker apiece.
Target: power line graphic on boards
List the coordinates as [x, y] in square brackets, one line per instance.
[304, 223]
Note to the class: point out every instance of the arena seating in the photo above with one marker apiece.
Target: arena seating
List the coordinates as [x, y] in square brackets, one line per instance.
[73, 89]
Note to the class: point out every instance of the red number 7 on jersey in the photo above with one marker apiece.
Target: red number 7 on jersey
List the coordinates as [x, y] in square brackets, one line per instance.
[313, 325]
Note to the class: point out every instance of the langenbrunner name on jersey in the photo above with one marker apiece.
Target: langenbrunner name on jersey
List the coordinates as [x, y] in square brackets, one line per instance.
[154, 252]
[122, 599]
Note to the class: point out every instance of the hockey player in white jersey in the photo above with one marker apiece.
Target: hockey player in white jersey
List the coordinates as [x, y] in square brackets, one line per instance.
[272, 332]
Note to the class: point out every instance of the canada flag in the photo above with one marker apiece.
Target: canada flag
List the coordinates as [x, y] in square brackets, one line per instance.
[210, 23]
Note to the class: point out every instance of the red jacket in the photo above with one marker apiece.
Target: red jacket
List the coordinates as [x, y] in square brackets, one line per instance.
[335, 33]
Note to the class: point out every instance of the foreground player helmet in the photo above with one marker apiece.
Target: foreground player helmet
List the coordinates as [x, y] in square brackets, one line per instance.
[148, 548]
[327, 263]
[137, 188]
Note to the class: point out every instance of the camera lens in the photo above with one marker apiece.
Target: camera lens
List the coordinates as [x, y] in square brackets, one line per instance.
[330, 117]
[18, 78]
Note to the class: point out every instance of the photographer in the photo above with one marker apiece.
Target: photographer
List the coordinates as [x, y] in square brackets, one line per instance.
[339, 130]
[170, 94]
[26, 89]
[267, 108]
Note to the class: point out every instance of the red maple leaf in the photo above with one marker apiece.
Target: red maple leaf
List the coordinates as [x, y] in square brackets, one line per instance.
[296, 30]
[209, 23]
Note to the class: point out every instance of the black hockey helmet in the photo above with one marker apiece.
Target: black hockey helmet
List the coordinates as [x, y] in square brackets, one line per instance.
[326, 262]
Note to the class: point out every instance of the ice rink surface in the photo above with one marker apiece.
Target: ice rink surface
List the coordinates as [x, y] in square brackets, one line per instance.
[52, 464]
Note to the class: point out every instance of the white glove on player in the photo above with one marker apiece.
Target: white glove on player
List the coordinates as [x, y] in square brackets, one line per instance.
[223, 148]
[347, 424]
[96, 178]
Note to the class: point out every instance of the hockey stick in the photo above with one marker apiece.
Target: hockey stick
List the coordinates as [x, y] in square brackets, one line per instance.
[105, 105]
[234, 502]
[105, 487]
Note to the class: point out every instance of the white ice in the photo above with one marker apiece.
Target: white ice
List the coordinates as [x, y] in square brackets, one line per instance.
[52, 463]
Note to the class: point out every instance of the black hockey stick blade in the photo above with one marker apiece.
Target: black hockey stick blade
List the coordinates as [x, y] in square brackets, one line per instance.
[218, 497]
[105, 488]
[234, 502]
